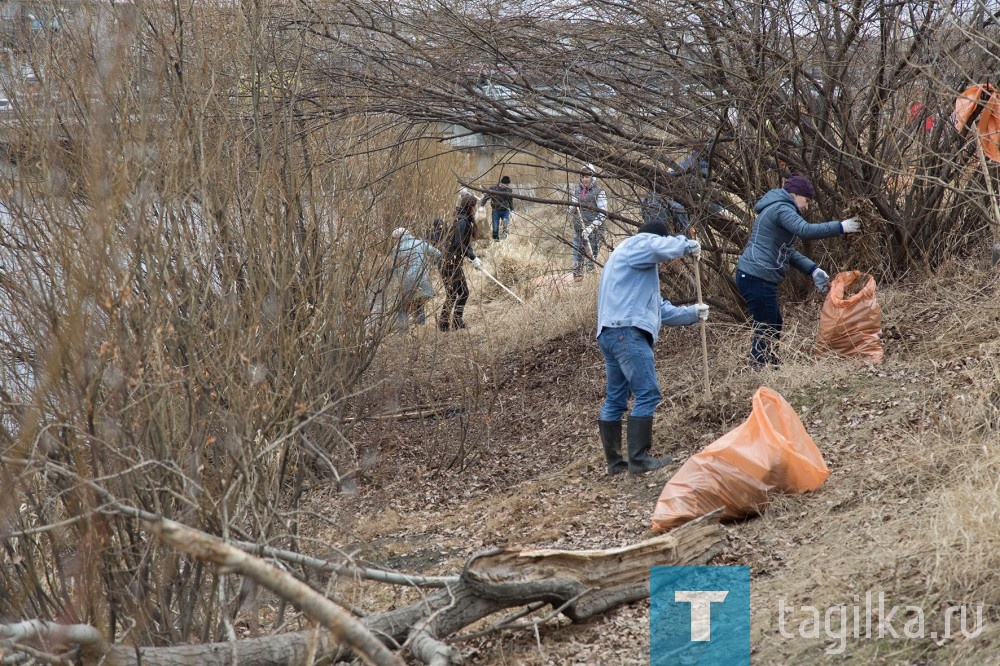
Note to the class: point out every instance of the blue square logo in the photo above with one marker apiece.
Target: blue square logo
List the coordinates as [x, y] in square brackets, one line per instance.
[699, 616]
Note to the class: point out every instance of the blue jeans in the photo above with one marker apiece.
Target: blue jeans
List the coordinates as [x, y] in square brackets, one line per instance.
[761, 298]
[581, 257]
[497, 216]
[628, 365]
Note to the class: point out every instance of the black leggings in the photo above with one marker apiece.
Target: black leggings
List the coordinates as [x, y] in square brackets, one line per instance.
[456, 295]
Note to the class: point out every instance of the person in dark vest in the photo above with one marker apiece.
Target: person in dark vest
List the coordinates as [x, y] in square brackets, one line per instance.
[458, 247]
[501, 207]
[587, 212]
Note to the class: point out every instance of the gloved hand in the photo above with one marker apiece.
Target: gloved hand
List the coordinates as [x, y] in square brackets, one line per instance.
[851, 225]
[702, 310]
[477, 263]
[694, 249]
[585, 233]
[821, 279]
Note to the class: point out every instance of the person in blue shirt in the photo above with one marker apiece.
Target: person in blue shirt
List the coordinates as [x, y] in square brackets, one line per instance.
[769, 252]
[630, 311]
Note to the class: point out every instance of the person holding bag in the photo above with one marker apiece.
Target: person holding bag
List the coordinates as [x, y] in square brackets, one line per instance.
[770, 250]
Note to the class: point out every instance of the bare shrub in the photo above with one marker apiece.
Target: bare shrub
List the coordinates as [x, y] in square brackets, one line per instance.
[194, 284]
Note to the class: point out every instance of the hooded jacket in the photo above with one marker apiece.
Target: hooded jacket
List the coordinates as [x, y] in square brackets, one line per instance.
[629, 292]
[771, 247]
[413, 261]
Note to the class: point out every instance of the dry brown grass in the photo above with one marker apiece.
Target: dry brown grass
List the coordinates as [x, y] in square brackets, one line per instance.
[910, 508]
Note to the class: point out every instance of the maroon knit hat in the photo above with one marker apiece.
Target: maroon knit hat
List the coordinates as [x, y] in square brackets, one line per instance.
[800, 185]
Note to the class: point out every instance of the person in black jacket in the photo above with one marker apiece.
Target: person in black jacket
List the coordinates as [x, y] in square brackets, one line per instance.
[501, 206]
[458, 247]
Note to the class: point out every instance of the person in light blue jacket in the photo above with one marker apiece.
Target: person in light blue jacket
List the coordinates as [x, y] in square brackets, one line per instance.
[768, 254]
[412, 262]
[630, 311]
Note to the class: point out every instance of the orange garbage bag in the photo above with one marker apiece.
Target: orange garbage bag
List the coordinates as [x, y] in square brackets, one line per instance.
[968, 101]
[851, 320]
[988, 124]
[770, 452]
[988, 129]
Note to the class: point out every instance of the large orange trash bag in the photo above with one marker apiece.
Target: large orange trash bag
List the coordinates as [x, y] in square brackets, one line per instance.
[988, 124]
[770, 452]
[851, 320]
[969, 101]
[988, 129]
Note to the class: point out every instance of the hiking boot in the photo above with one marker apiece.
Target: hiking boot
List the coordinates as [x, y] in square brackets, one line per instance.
[611, 438]
[640, 438]
[443, 325]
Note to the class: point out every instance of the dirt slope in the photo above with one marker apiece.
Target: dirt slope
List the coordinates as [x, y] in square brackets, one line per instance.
[910, 509]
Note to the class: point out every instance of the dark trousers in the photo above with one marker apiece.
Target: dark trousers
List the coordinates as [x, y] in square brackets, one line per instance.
[456, 295]
[761, 298]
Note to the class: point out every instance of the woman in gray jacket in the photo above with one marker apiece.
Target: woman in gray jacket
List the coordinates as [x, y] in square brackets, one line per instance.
[770, 250]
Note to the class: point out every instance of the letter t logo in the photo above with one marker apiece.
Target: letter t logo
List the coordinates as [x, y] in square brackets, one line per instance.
[701, 610]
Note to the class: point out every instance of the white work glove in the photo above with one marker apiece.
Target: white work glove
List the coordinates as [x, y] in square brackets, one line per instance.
[851, 225]
[821, 279]
[702, 310]
[585, 233]
[694, 249]
[477, 263]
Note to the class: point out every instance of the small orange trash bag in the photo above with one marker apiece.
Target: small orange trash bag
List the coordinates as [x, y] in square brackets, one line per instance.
[770, 452]
[851, 320]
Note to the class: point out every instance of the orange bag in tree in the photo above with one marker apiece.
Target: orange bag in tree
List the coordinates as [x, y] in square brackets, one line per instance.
[851, 320]
[770, 452]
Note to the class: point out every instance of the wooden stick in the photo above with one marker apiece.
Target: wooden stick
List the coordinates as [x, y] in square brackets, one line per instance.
[704, 340]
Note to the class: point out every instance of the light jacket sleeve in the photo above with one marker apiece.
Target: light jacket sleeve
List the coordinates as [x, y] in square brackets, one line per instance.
[602, 203]
[657, 249]
[673, 315]
[793, 222]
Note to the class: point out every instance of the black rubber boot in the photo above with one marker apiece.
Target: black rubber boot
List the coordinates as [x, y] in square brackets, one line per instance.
[640, 438]
[611, 438]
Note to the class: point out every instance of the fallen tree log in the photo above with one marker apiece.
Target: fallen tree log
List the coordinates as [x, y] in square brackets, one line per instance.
[580, 584]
